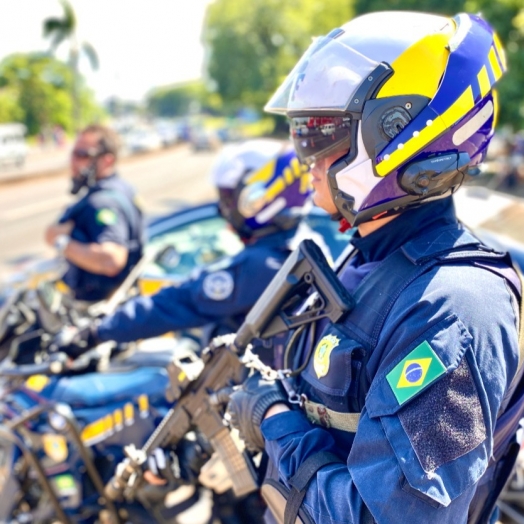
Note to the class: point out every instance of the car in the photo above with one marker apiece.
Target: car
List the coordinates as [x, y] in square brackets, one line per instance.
[142, 139]
[13, 147]
[204, 140]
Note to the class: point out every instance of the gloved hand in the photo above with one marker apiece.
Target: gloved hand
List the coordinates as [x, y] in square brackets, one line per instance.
[249, 403]
[179, 466]
[75, 341]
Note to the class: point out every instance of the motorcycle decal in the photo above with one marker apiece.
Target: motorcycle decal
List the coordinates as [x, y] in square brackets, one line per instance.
[65, 485]
[143, 406]
[55, 447]
[108, 425]
[118, 417]
[37, 382]
[129, 414]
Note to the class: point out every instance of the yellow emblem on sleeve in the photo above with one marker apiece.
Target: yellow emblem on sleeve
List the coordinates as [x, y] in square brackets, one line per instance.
[322, 354]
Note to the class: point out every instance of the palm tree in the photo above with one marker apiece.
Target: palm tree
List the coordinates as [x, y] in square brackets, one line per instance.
[60, 30]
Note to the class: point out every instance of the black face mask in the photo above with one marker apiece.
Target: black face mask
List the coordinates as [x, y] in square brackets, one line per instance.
[86, 178]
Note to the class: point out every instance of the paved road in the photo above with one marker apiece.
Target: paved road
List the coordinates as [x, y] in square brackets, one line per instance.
[164, 180]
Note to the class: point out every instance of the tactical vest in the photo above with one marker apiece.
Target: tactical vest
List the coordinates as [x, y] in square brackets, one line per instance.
[375, 297]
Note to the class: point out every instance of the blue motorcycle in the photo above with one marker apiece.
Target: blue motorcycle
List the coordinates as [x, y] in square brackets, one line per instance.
[63, 423]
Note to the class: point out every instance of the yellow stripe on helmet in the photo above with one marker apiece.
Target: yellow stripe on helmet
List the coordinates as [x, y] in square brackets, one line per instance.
[494, 63]
[500, 51]
[460, 108]
[428, 57]
[484, 83]
[264, 174]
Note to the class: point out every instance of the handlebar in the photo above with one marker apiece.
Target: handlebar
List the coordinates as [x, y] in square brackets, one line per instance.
[55, 365]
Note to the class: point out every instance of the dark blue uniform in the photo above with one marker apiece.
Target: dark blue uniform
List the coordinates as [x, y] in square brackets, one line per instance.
[222, 294]
[429, 380]
[106, 213]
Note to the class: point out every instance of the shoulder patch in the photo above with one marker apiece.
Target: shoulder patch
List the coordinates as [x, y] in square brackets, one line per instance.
[414, 372]
[106, 217]
[218, 285]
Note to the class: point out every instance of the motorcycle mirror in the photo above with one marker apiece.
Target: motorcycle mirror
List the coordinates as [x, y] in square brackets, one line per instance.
[49, 302]
[168, 257]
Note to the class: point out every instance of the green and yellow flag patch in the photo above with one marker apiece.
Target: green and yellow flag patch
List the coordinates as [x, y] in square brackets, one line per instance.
[418, 369]
[106, 217]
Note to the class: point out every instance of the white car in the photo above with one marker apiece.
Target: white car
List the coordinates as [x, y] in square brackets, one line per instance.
[13, 147]
[140, 140]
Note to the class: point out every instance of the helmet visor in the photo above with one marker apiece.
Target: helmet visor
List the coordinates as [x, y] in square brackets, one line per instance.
[324, 79]
[319, 137]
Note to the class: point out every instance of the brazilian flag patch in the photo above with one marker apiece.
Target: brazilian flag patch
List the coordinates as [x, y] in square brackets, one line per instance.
[106, 217]
[418, 369]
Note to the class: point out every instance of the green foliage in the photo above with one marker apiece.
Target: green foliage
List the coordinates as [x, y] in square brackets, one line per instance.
[182, 100]
[506, 16]
[36, 89]
[60, 30]
[255, 44]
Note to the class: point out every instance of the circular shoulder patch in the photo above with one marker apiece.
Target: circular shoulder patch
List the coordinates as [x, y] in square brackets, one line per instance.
[218, 285]
[106, 217]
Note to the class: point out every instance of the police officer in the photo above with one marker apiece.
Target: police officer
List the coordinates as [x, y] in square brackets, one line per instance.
[408, 411]
[101, 235]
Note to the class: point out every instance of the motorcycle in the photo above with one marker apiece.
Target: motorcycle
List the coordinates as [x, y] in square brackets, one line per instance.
[63, 423]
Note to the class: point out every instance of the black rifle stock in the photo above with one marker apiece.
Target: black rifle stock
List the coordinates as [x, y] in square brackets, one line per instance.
[305, 268]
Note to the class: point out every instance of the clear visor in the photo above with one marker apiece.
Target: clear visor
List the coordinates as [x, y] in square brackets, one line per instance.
[317, 137]
[325, 78]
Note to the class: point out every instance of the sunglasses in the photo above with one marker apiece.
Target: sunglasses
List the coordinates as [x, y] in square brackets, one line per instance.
[84, 153]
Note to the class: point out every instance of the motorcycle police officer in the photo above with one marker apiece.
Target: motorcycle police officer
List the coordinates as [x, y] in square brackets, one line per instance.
[101, 235]
[409, 404]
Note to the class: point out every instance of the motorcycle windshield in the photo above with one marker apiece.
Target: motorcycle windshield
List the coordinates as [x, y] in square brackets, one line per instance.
[324, 79]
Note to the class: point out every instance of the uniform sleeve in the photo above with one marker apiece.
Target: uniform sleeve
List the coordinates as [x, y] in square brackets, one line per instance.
[425, 436]
[220, 292]
[105, 222]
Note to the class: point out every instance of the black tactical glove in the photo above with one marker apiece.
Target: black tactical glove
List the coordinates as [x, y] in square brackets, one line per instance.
[249, 403]
[75, 341]
[182, 465]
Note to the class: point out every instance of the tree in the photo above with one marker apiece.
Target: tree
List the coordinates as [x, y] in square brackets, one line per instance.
[506, 16]
[253, 46]
[64, 29]
[181, 100]
[36, 89]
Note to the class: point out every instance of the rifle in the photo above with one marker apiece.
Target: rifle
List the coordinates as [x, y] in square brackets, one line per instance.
[225, 362]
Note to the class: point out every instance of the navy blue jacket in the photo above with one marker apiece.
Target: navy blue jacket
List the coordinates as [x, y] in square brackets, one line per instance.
[221, 293]
[417, 458]
[106, 213]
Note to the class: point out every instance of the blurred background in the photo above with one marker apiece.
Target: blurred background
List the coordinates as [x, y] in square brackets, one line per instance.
[177, 81]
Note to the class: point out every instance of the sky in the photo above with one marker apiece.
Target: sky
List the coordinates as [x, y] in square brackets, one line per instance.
[141, 44]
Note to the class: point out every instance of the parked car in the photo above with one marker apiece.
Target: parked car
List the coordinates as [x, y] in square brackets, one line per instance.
[204, 140]
[142, 139]
[13, 147]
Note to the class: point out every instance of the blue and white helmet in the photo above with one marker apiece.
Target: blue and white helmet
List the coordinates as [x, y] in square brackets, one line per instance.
[262, 186]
